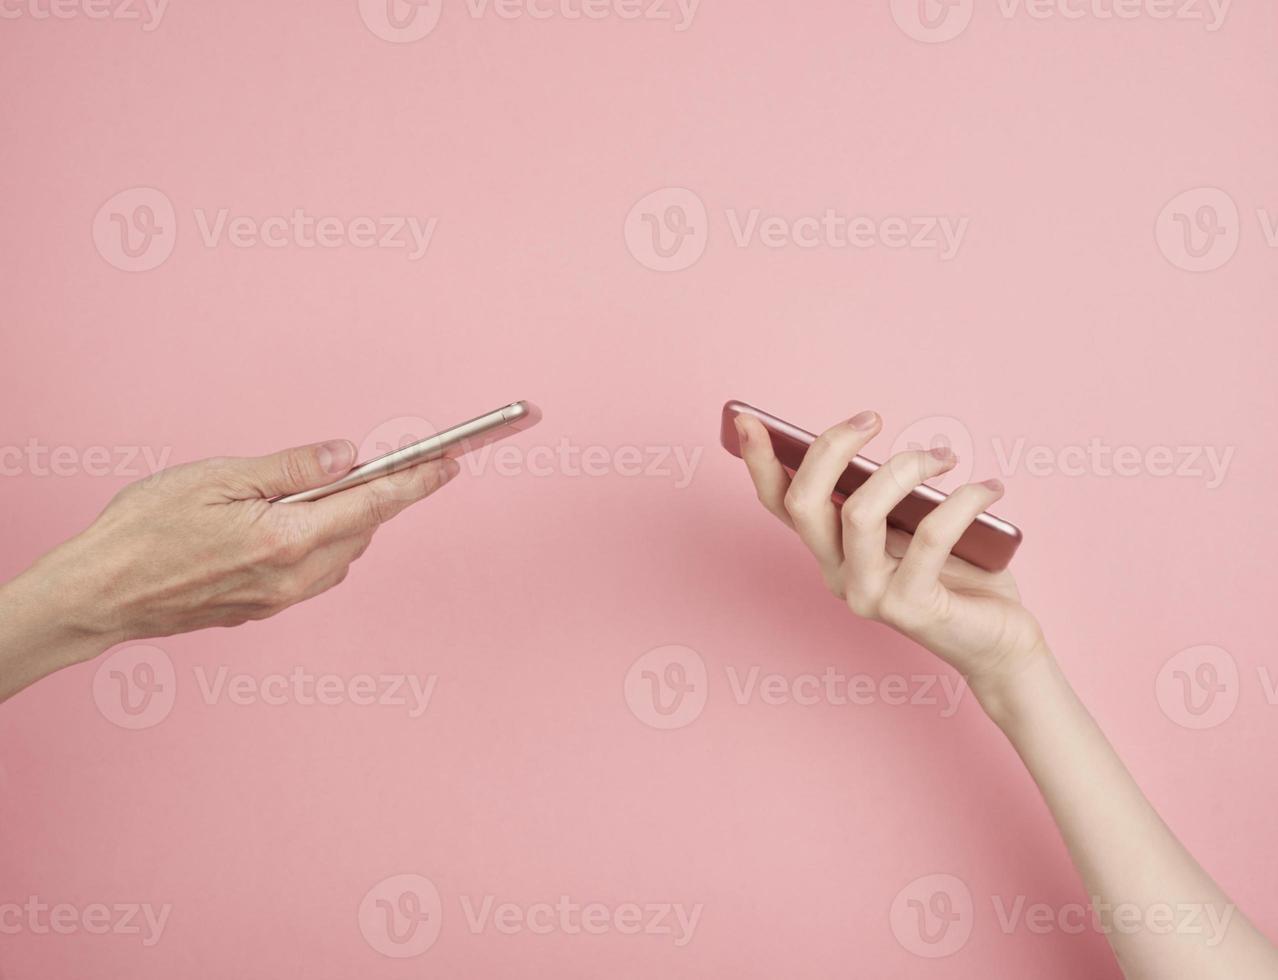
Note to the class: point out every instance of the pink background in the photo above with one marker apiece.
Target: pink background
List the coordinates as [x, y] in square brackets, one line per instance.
[1059, 321]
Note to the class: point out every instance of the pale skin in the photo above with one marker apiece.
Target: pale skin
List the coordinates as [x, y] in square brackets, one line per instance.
[194, 547]
[975, 622]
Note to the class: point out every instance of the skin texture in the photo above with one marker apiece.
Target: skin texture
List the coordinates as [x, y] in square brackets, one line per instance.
[198, 546]
[975, 622]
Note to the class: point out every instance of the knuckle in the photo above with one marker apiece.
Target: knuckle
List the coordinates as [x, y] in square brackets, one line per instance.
[930, 535]
[376, 509]
[286, 589]
[295, 469]
[861, 604]
[222, 471]
[291, 550]
[797, 503]
[858, 516]
[898, 610]
[834, 583]
[284, 545]
[823, 444]
[216, 464]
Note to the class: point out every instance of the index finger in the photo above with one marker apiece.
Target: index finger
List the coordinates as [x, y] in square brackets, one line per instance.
[365, 507]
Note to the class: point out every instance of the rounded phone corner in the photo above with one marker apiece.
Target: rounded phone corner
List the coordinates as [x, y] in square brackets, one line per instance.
[728, 436]
[522, 414]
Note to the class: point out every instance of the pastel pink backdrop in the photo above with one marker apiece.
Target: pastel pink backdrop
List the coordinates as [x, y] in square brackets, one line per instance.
[529, 777]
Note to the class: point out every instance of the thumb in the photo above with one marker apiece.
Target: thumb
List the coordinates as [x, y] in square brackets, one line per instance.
[294, 470]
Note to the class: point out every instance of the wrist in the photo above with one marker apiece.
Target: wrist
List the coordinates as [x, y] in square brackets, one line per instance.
[1018, 691]
[63, 607]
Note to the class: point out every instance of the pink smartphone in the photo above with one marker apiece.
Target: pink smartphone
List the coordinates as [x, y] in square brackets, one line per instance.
[989, 543]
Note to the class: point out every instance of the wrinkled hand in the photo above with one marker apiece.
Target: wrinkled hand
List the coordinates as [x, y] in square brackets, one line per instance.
[201, 545]
[970, 618]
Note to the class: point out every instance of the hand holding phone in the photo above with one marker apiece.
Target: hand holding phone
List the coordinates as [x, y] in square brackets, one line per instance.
[989, 543]
[970, 617]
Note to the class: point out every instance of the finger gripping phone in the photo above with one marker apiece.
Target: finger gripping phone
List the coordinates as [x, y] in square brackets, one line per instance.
[457, 441]
[989, 542]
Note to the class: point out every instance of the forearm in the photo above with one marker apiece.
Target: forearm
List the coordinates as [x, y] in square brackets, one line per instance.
[44, 626]
[1163, 915]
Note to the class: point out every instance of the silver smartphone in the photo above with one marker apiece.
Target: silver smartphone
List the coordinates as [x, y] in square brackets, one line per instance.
[457, 441]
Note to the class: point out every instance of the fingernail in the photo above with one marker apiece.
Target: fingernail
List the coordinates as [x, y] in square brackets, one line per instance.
[863, 420]
[742, 434]
[995, 485]
[451, 468]
[943, 453]
[337, 456]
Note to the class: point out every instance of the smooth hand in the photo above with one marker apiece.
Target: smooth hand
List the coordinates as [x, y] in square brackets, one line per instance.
[971, 618]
